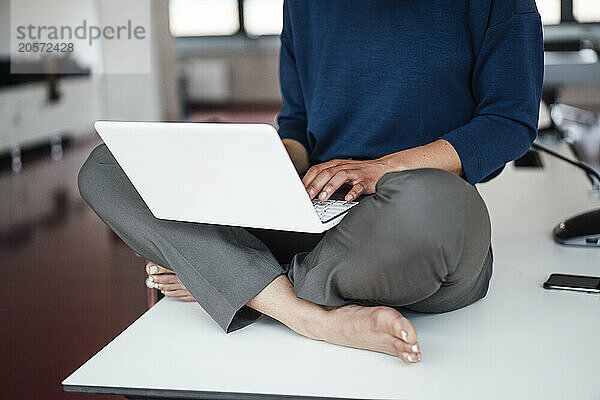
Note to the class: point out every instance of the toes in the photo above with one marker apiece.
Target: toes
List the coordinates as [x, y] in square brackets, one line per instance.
[391, 321]
[167, 279]
[181, 295]
[168, 287]
[167, 282]
[407, 352]
[153, 268]
[403, 347]
[176, 293]
[404, 330]
[410, 358]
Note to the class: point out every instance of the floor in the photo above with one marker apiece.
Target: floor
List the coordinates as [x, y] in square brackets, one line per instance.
[71, 285]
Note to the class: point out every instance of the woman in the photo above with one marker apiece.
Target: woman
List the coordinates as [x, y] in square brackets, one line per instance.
[410, 103]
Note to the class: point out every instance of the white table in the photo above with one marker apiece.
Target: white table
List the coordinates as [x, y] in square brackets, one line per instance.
[521, 341]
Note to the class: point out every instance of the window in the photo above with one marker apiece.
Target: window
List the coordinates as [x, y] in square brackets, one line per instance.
[549, 11]
[225, 17]
[586, 10]
[263, 17]
[256, 18]
[204, 17]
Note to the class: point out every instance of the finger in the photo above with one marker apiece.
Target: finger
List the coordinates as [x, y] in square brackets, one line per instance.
[186, 298]
[355, 192]
[153, 268]
[164, 279]
[325, 176]
[334, 184]
[321, 180]
[310, 176]
[315, 170]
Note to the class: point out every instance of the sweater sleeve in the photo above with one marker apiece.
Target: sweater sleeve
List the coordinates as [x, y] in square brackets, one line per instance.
[292, 119]
[506, 85]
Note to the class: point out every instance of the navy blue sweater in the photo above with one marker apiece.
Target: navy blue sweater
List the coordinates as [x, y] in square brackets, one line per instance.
[366, 78]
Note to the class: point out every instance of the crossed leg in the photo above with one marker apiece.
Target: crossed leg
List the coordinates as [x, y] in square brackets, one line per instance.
[422, 242]
[345, 290]
[381, 329]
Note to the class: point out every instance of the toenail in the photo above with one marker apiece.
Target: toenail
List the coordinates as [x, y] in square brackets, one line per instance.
[151, 279]
[415, 348]
[410, 358]
[149, 284]
[404, 335]
[153, 269]
[162, 291]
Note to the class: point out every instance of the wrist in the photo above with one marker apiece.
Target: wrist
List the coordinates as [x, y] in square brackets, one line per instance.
[439, 154]
[394, 163]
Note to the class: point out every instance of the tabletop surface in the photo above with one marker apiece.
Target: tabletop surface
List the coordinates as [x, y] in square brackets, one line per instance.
[521, 341]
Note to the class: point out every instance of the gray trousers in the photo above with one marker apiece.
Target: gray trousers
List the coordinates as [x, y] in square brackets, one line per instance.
[421, 242]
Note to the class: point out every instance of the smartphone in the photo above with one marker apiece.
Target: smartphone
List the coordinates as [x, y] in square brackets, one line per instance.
[578, 283]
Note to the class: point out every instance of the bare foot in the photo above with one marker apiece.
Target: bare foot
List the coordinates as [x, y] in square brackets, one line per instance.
[381, 329]
[167, 282]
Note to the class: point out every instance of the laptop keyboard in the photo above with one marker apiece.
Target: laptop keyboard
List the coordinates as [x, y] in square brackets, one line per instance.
[329, 209]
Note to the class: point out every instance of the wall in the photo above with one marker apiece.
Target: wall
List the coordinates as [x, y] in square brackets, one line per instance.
[26, 117]
[231, 70]
[150, 96]
[4, 28]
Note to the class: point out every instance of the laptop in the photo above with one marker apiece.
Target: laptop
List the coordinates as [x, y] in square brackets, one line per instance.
[213, 173]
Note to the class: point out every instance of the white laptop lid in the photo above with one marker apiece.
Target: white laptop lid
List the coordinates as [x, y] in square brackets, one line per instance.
[224, 174]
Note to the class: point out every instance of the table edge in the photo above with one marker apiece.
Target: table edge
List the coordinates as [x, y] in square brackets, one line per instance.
[188, 394]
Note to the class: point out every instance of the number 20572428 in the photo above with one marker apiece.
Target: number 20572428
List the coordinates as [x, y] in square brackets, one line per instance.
[45, 47]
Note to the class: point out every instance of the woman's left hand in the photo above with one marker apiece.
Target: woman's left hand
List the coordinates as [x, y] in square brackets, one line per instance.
[324, 179]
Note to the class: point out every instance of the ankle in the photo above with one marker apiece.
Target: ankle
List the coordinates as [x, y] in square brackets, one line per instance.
[312, 324]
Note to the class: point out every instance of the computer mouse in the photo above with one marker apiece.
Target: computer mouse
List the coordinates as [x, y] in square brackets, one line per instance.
[580, 230]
